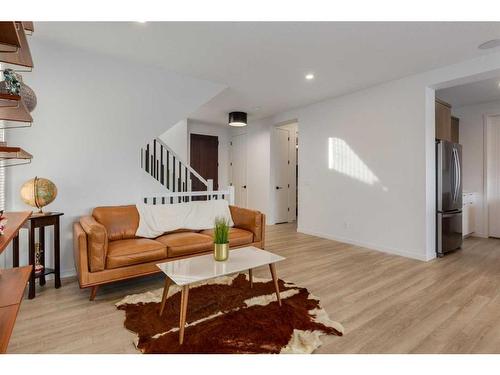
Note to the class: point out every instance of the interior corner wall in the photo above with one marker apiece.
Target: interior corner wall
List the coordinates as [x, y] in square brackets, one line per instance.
[177, 139]
[223, 134]
[472, 136]
[94, 114]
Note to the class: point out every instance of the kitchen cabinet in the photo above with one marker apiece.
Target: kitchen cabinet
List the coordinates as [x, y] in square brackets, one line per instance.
[455, 129]
[443, 120]
[468, 214]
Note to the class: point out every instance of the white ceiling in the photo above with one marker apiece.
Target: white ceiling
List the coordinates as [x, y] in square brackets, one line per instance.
[471, 93]
[263, 64]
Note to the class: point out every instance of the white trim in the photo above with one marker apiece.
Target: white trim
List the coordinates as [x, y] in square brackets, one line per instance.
[368, 246]
[228, 195]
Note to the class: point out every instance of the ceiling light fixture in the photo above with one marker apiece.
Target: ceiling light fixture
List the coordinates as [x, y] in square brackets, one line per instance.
[490, 44]
[238, 119]
[309, 76]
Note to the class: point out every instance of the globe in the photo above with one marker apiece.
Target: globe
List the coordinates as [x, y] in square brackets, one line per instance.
[38, 192]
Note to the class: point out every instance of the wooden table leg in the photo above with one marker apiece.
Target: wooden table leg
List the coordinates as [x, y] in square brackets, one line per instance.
[31, 291]
[41, 238]
[250, 277]
[15, 251]
[183, 312]
[57, 266]
[275, 280]
[165, 294]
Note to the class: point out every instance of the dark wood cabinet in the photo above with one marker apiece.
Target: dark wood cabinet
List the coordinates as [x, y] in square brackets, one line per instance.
[443, 120]
[455, 129]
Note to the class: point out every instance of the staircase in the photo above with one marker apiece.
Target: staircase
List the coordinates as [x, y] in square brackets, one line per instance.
[165, 166]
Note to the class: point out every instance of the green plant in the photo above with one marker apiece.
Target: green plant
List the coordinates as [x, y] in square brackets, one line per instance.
[221, 231]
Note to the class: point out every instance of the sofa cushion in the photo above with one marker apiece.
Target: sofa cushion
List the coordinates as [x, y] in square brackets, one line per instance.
[237, 237]
[185, 243]
[123, 253]
[121, 222]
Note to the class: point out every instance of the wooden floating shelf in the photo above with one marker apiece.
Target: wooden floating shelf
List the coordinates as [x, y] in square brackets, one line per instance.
[12, 108]
[9, 101]
[12, 284]
[15, 221]
[28, 26]
[9, 37]
[18, 55]
[14, 156]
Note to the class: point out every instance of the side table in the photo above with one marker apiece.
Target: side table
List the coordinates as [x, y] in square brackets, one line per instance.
[41, 221]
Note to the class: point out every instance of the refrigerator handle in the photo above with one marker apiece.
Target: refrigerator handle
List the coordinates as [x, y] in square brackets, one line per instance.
[456, 174]
[459, 169]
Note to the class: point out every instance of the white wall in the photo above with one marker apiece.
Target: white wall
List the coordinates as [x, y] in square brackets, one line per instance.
[389, 132]
[472, 140]
[223, 134]
[94, 113]
[177, 139]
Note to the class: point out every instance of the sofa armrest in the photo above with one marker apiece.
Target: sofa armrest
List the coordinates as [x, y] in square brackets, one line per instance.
[80, 253]
[251, 220]
[97, 242]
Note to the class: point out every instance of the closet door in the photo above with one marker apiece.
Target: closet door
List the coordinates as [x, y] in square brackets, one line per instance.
[239, 169]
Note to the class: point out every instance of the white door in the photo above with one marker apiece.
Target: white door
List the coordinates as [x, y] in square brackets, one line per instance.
[239, 169]
[493, 175]
[282, 171]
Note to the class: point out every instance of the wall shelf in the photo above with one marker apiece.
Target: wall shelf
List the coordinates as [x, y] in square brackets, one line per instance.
[12, 108]
[14, 156]
[18, 55]
[9, 37]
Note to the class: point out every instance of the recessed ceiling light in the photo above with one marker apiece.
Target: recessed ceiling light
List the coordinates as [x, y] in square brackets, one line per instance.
[490, 44]
[142, 21]
[309, 76]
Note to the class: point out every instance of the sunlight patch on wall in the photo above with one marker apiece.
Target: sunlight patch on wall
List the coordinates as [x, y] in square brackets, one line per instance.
[343, 159]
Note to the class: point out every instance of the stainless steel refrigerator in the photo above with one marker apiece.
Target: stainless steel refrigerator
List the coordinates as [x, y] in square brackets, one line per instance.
[449, 196]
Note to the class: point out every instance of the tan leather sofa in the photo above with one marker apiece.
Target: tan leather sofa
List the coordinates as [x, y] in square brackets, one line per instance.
[107, 250]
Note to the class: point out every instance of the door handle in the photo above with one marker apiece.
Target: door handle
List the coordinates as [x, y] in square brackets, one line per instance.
[278, 187]
[244, 186]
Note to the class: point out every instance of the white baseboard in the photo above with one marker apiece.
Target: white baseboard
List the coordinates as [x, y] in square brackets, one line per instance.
[370, 246]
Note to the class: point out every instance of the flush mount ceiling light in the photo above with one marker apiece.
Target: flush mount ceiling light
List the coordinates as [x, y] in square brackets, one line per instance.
[490, 44]
[238, 119]
[309, 76]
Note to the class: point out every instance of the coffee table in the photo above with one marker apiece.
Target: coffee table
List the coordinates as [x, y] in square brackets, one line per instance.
[187, 271]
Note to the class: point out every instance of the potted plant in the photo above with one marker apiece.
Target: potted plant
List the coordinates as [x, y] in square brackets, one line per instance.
[221, 239]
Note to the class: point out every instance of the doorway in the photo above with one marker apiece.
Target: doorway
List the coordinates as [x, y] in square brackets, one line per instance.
[285, 157]
[238, 164]
[204, 159]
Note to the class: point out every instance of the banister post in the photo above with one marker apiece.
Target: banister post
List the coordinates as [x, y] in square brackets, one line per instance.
[210, 187]
[231, 195]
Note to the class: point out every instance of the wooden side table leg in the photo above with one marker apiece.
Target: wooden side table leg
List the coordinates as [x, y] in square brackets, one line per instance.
[57, 261]
[183, 312]
[250, 277]
[41, 238]
[15, 251]
[165, 294]
[275, 280]
[31, 291]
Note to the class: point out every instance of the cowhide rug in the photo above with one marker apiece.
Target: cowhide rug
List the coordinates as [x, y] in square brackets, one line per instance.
[225, 315]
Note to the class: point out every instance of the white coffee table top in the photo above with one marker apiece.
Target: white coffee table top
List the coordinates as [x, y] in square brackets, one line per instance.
[204, 267]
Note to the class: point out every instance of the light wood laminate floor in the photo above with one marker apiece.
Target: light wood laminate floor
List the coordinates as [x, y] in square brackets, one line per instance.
[387, 304]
